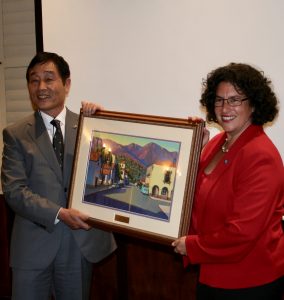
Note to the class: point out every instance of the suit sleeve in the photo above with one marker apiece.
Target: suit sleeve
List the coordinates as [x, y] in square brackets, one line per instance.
[16, 185]
[257, 194]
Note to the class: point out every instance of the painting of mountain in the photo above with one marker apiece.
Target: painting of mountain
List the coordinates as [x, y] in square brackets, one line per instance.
[146, 155]
[152, 153]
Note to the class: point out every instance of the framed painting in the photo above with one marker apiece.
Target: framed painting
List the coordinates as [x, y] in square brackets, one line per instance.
[135, 174]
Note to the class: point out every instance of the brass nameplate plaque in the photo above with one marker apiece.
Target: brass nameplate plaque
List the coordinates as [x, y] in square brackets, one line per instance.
[122, 219]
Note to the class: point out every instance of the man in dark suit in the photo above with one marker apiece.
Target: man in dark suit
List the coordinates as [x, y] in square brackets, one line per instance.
[52, 247]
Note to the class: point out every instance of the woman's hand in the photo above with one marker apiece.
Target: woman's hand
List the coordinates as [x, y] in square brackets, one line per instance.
[179, 246]
[89, 108]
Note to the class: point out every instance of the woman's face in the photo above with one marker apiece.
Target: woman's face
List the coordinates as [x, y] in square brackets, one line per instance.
[233, 119]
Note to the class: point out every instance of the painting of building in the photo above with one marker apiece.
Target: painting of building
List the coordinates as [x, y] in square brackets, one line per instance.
[160, 179]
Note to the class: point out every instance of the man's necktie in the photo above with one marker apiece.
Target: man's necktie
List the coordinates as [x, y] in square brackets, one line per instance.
[58, 144]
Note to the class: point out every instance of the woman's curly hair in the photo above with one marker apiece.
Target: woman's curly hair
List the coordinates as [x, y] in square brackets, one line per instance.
[246, 80]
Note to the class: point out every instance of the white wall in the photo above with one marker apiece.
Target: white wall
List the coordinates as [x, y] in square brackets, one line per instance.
[149, 56]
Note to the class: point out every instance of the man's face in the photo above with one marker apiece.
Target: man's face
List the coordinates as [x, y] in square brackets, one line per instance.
[46, 88]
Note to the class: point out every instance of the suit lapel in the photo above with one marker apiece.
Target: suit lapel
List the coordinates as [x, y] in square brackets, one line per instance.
[39, 135]
[224, 164]
[71, 125]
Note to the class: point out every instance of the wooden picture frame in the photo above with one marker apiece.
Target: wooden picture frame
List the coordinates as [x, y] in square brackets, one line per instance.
[135, 174]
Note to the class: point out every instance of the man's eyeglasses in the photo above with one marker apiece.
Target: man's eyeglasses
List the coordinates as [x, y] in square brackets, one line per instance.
[233, 101]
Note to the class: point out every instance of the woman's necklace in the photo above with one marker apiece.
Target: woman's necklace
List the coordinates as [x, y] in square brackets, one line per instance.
[225, 147]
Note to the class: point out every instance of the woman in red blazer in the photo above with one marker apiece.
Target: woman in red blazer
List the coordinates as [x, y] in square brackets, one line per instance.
[236, 230]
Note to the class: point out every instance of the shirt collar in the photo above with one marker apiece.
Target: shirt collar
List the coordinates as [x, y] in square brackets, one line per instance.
[47, 118]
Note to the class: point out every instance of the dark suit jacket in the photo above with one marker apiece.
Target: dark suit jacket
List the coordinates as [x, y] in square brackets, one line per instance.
[35, 188]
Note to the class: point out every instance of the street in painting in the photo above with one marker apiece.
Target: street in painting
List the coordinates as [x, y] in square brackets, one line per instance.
[132, 174]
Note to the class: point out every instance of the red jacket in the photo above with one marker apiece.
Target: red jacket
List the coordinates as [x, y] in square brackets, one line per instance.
[236, 233]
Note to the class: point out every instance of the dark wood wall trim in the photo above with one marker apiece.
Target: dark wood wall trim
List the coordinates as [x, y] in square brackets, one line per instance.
[38, 25]
[6, 219]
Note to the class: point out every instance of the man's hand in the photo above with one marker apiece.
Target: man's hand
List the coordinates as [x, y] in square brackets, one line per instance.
[90, 108]
[74, 218]
[179, 246]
